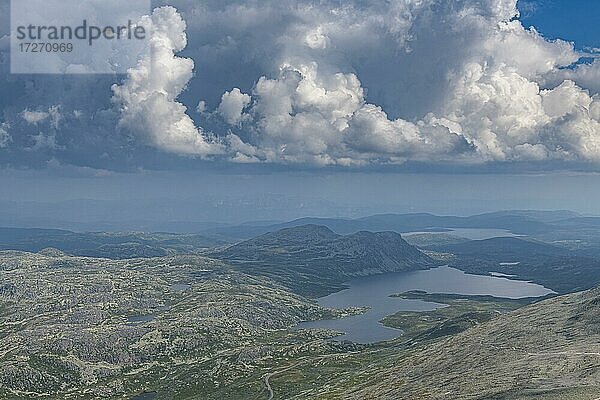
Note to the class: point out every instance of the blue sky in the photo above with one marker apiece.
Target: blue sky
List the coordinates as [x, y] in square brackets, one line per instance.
[269, 100]
[574, 20]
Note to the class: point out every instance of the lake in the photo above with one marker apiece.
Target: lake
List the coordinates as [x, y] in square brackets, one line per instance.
[374, 292]
[469, 233]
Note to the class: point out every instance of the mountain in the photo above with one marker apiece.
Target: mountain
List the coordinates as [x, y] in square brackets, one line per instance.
[579, 222]
[519, 222]
[502, 249]
[540, 215]
[102, 244]
[199, 328]
[312, 256]
[554, 267]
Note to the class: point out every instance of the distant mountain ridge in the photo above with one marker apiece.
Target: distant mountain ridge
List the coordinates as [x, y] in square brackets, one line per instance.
[317, 253]
[502, 247]
[102, 244]
[517, 221]
[551, 265]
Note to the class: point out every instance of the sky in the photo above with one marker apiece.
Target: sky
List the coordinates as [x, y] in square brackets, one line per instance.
[573, 20]
[279, 109]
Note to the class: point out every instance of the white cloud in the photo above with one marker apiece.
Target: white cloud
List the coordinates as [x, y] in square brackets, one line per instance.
[526, 50]
[148, 97]
[492, 114]
[508, 117]
[232, 106]
[34, 117]
[201, 107]
[303, 117]
[349, 83]
[482, 82]
[565, 99]
[316, 39]
[584, 75]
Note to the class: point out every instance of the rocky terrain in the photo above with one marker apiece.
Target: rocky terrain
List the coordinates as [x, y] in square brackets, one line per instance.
[193, 327]
[309, 258]
[104, 244]
[549, 350]
[75, 327]
[545, 351]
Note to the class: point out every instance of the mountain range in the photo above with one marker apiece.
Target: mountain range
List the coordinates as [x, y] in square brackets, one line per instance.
[102, 244]
[518, 222]
[221, 321]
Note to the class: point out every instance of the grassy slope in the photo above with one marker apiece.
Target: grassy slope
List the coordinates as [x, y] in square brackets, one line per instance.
[549, 350]
[462, 312]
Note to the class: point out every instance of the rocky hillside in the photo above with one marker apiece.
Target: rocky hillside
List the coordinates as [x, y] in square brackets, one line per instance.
[103, 244]
[313, 254]
[185, 327]
[549, 350]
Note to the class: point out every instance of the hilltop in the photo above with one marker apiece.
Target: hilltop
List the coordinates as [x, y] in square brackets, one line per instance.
[310, 256]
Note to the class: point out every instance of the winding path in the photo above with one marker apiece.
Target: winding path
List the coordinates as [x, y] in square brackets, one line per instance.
[272, 374]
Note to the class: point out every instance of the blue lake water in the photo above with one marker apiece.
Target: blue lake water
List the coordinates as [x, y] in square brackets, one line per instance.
[374, 292]
[470, 233]
[180, 287]
[481, 233]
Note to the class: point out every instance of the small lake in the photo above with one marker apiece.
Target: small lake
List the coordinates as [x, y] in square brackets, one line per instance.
[180, 287]
[146, 396]
[469, 233]
[374, 292]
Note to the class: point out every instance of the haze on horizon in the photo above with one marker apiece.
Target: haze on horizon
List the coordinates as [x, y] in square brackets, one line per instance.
[493, 107]
[122, 201]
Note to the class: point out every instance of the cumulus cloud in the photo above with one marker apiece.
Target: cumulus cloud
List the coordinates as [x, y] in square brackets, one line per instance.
[526, 50]
[34, 117]
[496, 105]
[508, 117]
[330, 83]
[585, 75]
[316, 39]
[232, 106]
[201, 107]
[302, 117]
[148, 97]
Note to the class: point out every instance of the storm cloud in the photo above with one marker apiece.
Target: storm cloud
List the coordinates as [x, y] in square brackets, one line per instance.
[348, 84]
